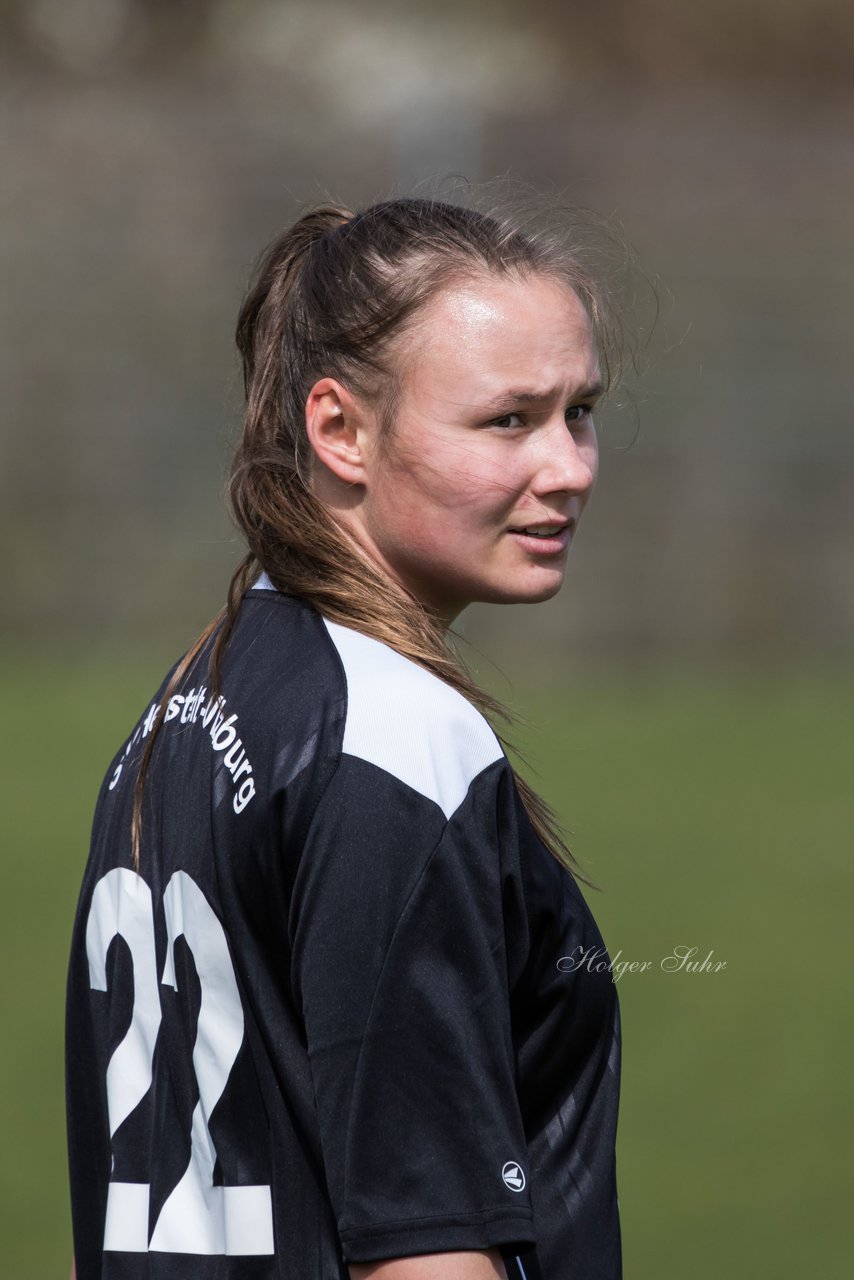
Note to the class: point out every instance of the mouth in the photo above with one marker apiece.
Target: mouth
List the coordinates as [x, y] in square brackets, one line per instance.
[545, 537]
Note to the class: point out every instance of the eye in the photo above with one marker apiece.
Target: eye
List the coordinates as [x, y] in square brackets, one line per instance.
[578, 412]
[506, 420]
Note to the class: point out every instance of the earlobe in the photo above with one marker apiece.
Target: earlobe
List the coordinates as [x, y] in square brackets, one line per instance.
[334, 429]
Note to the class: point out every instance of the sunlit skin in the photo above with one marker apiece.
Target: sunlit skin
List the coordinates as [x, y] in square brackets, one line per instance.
[494, 434]
[471, 1265]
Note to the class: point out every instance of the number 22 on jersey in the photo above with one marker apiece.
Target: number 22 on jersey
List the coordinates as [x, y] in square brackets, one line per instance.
[197, 1217]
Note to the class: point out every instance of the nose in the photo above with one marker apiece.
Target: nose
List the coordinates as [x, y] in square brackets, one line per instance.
[568, 461]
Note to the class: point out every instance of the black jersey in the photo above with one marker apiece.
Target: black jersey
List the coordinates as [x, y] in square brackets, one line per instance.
[332, 1018]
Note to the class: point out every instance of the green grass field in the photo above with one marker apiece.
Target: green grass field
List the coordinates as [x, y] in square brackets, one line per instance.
[714, 813]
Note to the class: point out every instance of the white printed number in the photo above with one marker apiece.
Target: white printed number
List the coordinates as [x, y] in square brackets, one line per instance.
[197, 1217]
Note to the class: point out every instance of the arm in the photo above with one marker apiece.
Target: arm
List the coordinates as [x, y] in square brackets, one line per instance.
[401, 973]
[470, 1265]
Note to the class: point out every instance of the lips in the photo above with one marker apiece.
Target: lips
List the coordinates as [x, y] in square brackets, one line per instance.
[543, 529]
[544, 538]
[541, 533]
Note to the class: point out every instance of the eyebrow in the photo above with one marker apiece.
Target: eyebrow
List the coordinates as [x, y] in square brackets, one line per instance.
[518, 396]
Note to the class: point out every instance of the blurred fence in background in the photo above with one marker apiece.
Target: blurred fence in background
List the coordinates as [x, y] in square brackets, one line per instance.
[150, 150]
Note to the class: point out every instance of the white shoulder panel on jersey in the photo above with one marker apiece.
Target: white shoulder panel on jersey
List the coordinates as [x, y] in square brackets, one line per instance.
[408, 721]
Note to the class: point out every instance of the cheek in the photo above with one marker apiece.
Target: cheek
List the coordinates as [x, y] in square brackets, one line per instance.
[456, 488]
[590, 452]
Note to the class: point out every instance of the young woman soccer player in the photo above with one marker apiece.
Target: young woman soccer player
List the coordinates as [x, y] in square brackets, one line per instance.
[317, 1025]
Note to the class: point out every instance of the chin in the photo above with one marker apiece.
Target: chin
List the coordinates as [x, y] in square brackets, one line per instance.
[539, 597]
[533, 594]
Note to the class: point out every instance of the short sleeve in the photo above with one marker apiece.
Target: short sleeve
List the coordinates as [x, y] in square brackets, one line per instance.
[401, 974]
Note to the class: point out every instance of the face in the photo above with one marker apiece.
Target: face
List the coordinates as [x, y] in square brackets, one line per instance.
[478, 493]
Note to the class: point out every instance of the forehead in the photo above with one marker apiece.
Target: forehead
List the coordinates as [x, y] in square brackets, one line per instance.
[490, 332]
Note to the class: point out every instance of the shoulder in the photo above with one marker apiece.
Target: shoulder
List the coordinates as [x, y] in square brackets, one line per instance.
[408, 722]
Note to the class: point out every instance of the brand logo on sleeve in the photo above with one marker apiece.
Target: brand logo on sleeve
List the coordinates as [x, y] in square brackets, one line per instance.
[513, 1176]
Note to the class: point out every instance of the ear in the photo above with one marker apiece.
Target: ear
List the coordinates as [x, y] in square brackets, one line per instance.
[339, 430]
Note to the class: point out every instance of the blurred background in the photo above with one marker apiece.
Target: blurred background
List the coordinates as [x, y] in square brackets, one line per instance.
[687, 698]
